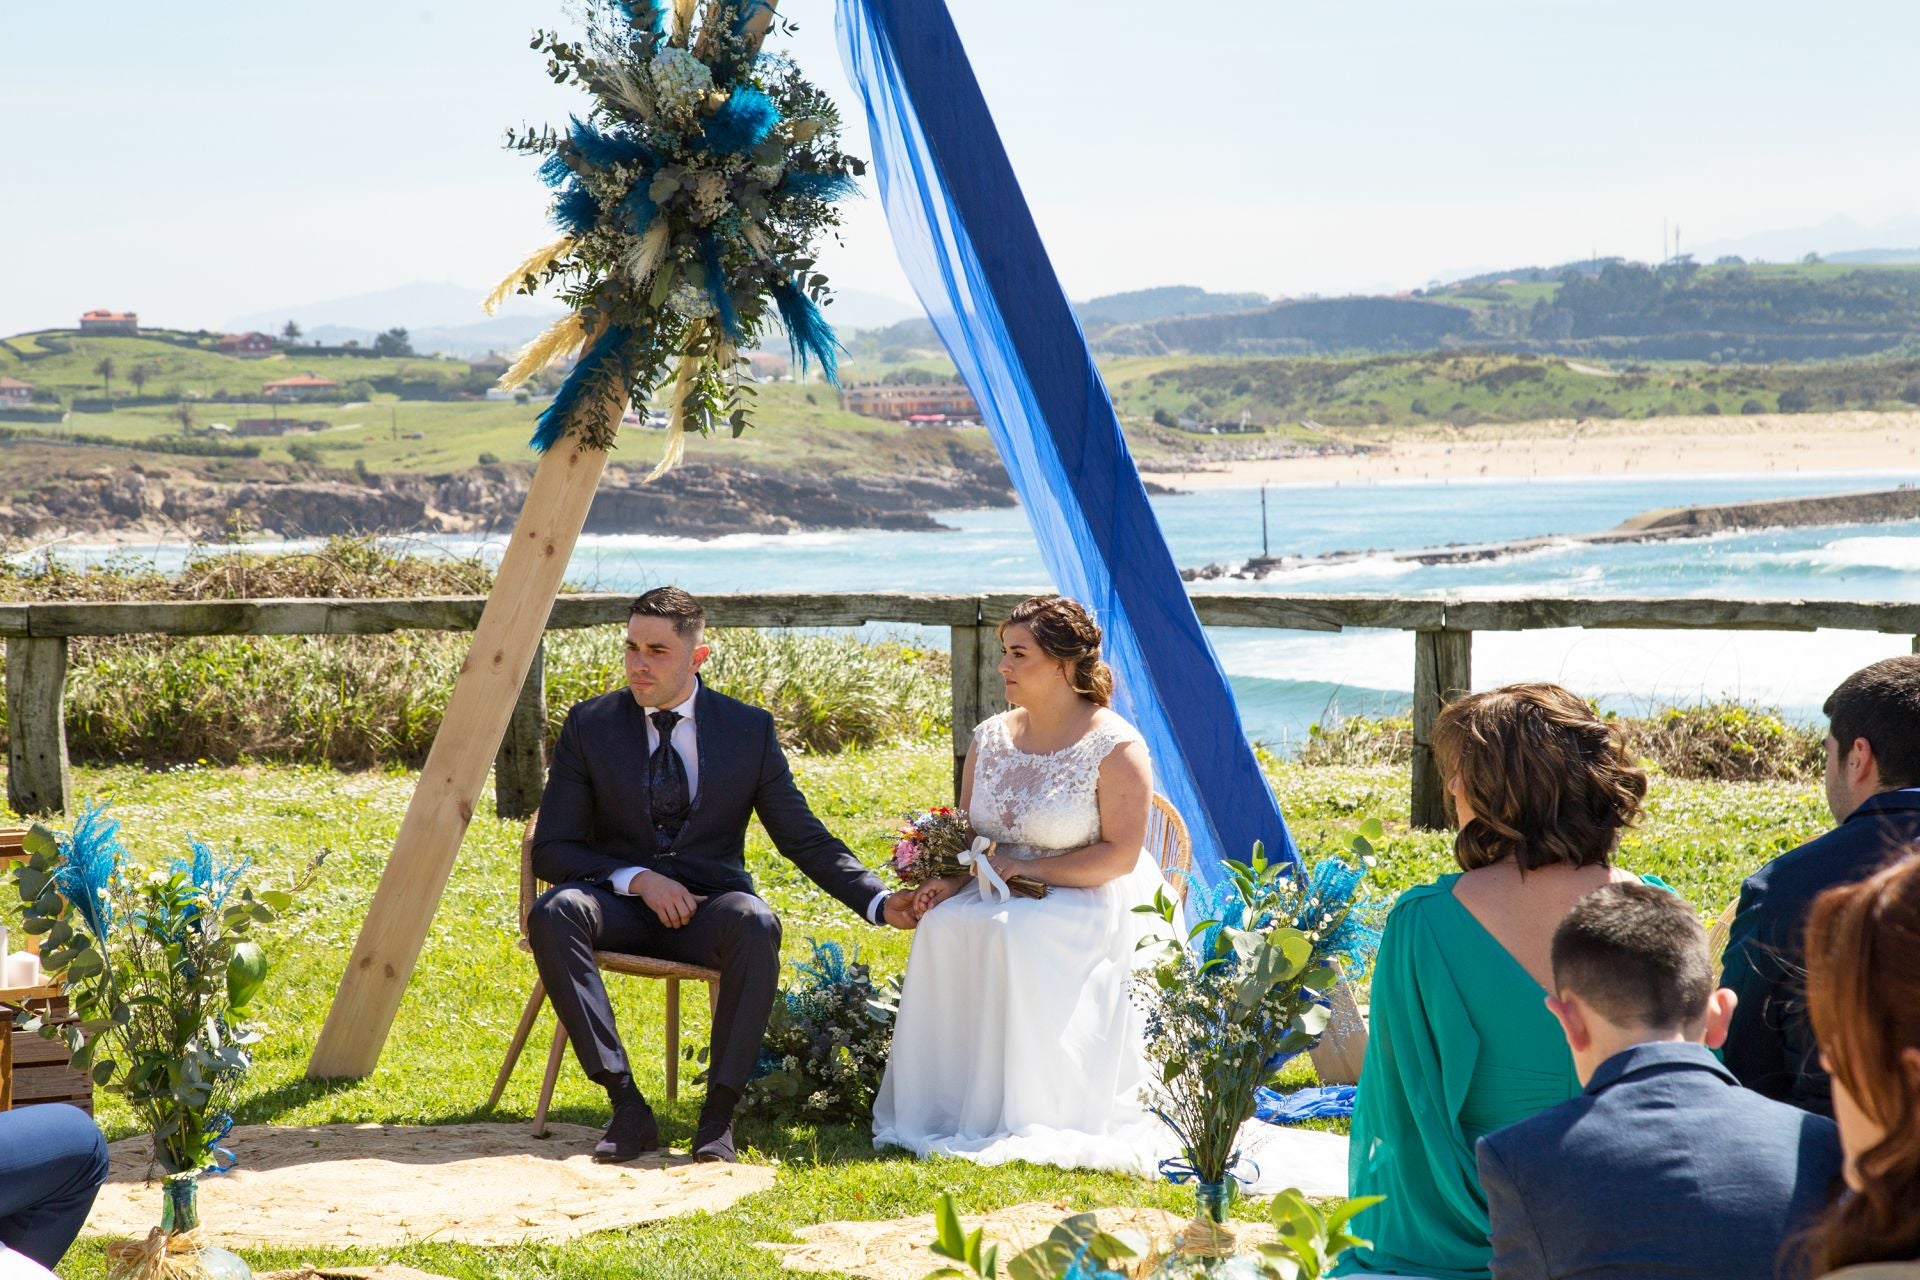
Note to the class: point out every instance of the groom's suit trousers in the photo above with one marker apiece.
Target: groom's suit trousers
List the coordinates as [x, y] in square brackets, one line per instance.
[735, 932]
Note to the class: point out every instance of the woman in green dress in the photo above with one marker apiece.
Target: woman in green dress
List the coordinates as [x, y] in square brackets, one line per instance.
[1461, 1040]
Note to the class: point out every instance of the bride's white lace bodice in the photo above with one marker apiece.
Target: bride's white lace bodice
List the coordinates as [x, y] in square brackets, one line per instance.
[1037, 806]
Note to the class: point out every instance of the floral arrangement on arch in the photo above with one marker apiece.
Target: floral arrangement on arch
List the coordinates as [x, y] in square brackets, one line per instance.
[688, 200]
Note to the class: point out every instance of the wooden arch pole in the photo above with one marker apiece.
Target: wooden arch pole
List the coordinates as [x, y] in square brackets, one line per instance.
[510, 630]
[511, 626]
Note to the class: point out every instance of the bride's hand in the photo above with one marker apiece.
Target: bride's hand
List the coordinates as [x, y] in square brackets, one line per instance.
[934, 892]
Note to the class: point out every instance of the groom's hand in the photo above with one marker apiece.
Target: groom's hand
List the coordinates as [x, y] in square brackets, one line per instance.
[897, 911]
[666, 897]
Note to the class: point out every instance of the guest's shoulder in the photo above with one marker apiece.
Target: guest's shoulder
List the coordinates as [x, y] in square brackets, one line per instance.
[1535, 1141]
[1422, 901]
[1834, 857]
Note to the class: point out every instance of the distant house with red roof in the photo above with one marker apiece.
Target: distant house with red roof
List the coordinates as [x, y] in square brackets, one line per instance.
[14, 393]
[247, 346]
[304, 386]
[125, 322]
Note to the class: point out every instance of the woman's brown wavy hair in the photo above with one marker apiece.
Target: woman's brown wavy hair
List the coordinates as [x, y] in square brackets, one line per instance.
[1067, 633]
[1549, 782]
[1863, 992]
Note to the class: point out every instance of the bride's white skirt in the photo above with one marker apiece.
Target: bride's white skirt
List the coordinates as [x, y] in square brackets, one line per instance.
[1017, 1040]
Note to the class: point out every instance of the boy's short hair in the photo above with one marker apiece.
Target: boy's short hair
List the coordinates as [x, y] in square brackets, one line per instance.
[1637, 954]
[1881, 703]
[676, 606]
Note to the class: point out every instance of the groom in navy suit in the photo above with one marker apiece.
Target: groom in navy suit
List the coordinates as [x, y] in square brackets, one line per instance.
[642, 833]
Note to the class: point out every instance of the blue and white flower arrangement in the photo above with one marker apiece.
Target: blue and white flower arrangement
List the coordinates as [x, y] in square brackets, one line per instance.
[688, 201]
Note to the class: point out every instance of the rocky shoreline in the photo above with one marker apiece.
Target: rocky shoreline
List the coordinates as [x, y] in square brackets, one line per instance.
[144, 499]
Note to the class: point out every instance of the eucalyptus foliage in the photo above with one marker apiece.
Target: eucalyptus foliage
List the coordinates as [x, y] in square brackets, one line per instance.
[1248, 988]
[161, 968]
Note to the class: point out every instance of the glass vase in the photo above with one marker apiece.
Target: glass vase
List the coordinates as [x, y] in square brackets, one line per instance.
[180, 1213]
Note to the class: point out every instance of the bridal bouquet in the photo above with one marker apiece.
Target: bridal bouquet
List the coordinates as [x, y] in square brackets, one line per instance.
[941, 842]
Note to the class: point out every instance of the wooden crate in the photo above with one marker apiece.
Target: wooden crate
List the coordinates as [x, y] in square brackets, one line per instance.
[40, 1068]
[34, 1070]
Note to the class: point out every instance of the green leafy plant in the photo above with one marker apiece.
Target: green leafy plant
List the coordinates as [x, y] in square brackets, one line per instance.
[1249, 986]
[1075, 1248]
[162, 970]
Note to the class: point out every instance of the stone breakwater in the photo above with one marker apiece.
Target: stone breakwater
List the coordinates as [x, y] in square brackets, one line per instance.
[1882, 506]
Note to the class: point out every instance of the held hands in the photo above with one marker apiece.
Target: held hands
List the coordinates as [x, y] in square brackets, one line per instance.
[934, 892]
[666, 897]
[898, 910]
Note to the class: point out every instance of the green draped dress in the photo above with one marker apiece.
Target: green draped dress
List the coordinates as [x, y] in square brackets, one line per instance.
[1460, 1044]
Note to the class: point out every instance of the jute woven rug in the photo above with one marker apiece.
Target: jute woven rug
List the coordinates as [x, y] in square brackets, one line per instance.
[375, 1185]
[897, 1249]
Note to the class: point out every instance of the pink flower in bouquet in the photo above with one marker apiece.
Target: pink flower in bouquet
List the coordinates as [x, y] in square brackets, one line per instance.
[903, 854]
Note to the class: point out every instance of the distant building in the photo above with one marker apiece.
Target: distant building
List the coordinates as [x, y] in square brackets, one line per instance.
[125, 322]
[14, 393]
[275, 427]
[303, 386]
[769, 366]
[929, 402]
[247, 346]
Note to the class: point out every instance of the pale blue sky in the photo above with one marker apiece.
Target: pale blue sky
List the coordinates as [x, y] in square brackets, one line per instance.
[209, 158]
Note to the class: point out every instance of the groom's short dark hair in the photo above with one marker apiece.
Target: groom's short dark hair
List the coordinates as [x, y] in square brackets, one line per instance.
[676, 606]
[1637, 954]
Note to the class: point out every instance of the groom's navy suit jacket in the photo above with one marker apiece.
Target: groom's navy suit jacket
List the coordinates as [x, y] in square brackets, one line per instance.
[596, 817]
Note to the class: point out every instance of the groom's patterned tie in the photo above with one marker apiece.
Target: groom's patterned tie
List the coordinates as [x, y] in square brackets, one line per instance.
[667, 781]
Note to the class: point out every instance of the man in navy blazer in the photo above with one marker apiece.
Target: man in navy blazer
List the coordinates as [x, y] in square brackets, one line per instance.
[642, 833]
[1664, 1168]
[1873, 788]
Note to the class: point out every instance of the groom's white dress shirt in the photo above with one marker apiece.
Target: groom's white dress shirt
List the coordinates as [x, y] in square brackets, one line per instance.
[686, 743]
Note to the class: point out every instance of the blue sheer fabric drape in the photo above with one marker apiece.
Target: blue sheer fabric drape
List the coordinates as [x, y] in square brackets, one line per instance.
[969, 245]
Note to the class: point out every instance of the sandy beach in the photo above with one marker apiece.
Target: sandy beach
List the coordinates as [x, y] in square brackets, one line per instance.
[1822, 442]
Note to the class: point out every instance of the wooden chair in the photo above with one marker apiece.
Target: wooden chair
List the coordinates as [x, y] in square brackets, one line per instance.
[1169, 844]
[610, 962]
[1717, 937]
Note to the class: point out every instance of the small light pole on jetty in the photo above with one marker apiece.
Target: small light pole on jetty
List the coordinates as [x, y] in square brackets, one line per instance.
[1264, 553]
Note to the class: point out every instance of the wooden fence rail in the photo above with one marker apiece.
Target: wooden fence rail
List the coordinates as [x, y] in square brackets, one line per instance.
[36, 637]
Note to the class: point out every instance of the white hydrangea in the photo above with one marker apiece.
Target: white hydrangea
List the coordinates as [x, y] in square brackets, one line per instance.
[689, 301]
[709, 196]
[768, 175]
[681, 80]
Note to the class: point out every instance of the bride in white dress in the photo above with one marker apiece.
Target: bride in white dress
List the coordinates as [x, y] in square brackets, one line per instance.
[1016, 1037]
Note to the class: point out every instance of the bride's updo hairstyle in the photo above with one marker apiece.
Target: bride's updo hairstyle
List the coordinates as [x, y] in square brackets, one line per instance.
[1550, 783]
[1067, 633]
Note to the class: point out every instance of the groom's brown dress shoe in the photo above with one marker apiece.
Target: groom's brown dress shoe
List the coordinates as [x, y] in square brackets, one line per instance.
[631, 1132]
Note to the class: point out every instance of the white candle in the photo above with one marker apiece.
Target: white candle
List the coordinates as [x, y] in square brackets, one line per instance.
[23, 970]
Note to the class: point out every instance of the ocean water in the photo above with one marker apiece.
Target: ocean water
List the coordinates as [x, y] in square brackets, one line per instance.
[1285, 681]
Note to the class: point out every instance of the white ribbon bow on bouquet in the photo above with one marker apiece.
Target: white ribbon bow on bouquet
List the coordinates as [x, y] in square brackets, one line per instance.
[981, 866]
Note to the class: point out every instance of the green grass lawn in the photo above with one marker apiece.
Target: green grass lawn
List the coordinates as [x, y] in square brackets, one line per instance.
[467, 993]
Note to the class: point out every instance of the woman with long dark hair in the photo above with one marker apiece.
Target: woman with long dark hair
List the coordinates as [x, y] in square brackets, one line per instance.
[1863, 993]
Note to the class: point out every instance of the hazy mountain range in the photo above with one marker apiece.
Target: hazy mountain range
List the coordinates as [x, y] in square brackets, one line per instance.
[446, 318]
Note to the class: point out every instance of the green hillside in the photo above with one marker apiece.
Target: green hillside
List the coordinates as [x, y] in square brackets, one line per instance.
[186, 365]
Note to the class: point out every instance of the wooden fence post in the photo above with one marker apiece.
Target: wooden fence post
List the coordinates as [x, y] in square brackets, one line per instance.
[978, 691]
[1442, 670]
[37, 781]
[520, 768]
